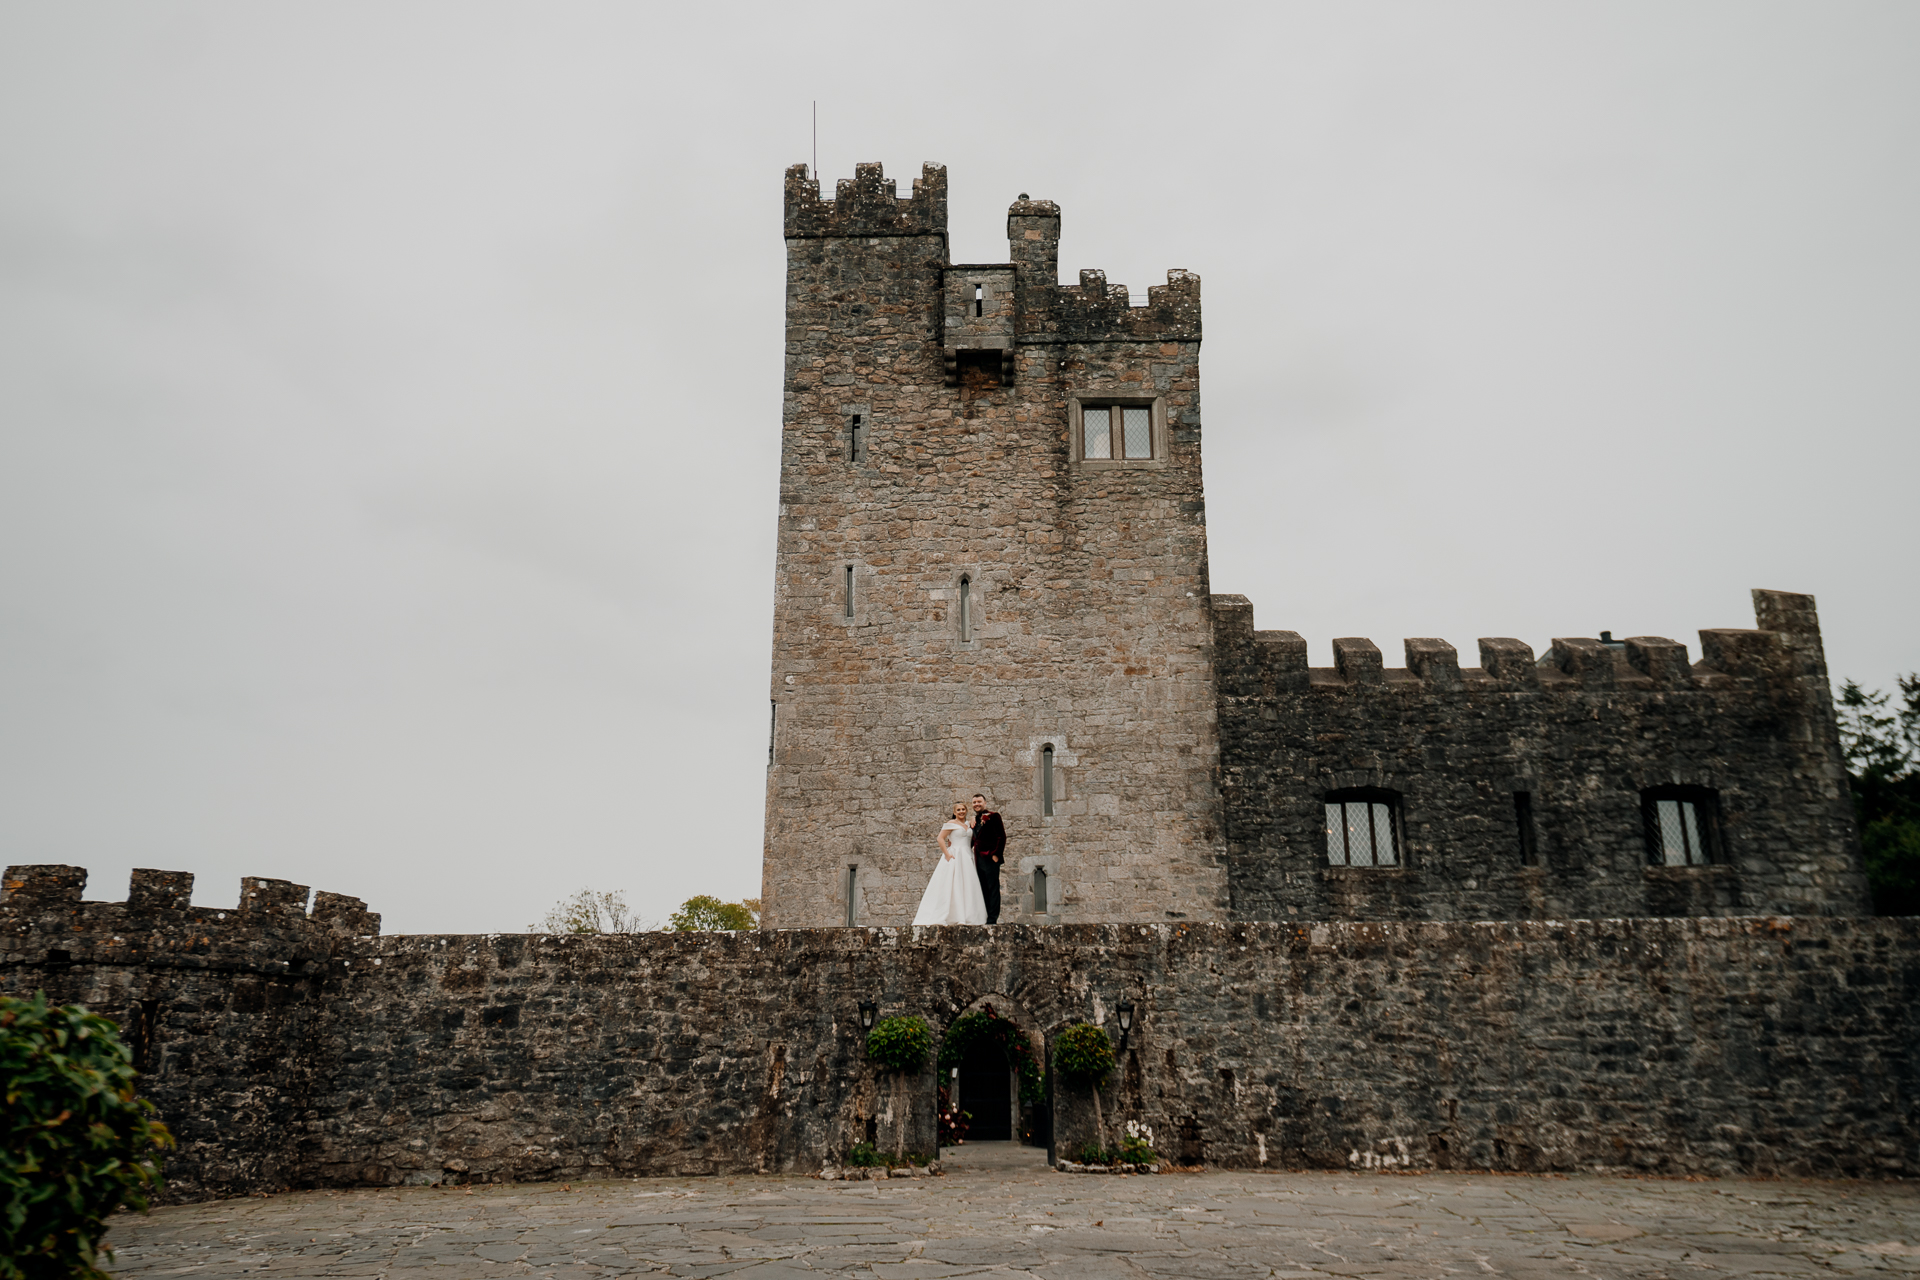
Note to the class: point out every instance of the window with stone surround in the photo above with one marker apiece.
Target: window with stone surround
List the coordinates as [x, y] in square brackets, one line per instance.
[1363, 828]
[1682, 824]
[1116, 432]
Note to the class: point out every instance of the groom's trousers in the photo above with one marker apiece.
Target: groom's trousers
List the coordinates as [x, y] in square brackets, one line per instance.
[989, 886]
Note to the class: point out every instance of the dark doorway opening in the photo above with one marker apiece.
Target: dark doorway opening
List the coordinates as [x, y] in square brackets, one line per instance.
[986, 1090]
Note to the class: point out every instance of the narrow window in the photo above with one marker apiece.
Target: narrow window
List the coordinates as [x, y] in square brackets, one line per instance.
[855, 445]
[849, 592]
[1039, 891]
[979, 299]
[1363, 828]
[1136, 431]
[966, 608]
[1523, 818]
[773, 724]
[1046, 780]
[1681, 826]
[853, 879]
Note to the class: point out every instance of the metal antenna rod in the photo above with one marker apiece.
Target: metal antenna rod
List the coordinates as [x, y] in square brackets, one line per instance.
[816, 139]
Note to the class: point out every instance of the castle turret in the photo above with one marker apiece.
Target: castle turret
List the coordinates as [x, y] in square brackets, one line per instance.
[991, 573]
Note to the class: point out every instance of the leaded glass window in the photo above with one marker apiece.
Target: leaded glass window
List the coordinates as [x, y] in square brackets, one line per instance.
[1116, 431]
[1680, 827]
[1362, 830]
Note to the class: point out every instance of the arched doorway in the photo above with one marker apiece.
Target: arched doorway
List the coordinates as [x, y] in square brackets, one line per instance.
[992, 1067]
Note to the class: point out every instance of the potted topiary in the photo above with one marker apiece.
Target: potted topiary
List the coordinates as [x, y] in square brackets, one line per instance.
[1083, 1054]
[899, 1045]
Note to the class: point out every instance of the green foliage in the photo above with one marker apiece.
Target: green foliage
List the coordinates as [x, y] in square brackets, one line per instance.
[899, 1044]
[590, 912]
[704, 911]
[1083, 1054]
[1136, 1145]
[78, 1143]
[863, 1156]
[986, 1025]
[1882, 747]
[1091, 1153]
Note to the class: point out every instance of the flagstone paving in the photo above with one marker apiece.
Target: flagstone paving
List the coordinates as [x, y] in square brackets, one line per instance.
[1005, 1216]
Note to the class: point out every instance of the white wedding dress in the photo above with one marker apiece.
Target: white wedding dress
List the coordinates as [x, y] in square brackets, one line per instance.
[953, 895]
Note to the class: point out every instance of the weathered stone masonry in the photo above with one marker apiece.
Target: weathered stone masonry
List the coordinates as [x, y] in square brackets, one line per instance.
[1583, 734]
[934, 446]
[306, 1051]
[930, 446]
[969, 596]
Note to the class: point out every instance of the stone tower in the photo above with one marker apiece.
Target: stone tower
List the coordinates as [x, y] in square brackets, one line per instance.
[992, 572]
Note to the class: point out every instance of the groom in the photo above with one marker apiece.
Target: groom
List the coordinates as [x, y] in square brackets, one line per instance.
[989, 851]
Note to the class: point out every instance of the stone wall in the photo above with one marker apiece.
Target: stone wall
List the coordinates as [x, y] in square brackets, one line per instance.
[1668, 1046]
[1088, 629]
[1581, 734]
[226, 1011]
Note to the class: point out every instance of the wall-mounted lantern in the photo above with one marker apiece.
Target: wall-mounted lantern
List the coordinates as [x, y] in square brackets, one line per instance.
[868, 1010]
[1124, 1011]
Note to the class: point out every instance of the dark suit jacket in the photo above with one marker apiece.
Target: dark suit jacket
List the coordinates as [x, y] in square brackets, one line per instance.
[989, 839]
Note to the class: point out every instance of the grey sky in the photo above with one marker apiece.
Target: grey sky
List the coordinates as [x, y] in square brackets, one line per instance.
[389, 394]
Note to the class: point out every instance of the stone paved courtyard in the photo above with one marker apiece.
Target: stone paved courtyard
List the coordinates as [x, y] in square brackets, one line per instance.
[1000, 1213]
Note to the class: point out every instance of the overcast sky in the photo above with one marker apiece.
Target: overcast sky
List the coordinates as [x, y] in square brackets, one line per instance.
[390, 393]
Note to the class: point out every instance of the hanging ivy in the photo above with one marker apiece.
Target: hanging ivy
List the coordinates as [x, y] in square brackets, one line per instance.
[984, 1025]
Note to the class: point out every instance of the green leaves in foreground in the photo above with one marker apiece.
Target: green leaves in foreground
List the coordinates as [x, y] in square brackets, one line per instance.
[77, 1145]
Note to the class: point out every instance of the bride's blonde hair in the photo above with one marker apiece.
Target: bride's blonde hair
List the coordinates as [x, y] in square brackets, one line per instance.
[957, 804]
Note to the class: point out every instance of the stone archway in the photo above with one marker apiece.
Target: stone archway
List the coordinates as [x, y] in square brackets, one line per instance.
[988, 1080]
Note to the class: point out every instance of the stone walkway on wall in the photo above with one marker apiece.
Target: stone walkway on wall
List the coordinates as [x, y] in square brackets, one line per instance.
[993, 1217]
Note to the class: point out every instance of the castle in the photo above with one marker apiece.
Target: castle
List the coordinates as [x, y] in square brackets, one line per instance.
[992, 575]
[1344, 906]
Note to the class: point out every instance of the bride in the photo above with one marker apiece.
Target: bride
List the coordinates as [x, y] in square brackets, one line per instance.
[953, 895]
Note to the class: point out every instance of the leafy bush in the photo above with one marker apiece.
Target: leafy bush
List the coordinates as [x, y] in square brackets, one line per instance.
[899, 1044]
[986, 1025]
[589, 911]
[1082, 1053]
[1882, 747]
[78, 1143]
[1091, 1153]
[704, 911]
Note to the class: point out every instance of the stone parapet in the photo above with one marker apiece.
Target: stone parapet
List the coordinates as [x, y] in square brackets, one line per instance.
[1770, 1046]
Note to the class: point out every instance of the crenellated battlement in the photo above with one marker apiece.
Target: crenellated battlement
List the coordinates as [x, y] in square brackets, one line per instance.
[1276, 661]
[1524, 786]
[866, 204]
[45, 921]
[1095, 311]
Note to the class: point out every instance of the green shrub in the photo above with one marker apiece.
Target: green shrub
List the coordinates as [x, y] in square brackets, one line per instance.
[78, 1143]
[1082, 1053]
[1091, 1153]
[704, 911]
[862, 1156]
[899, 1044]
